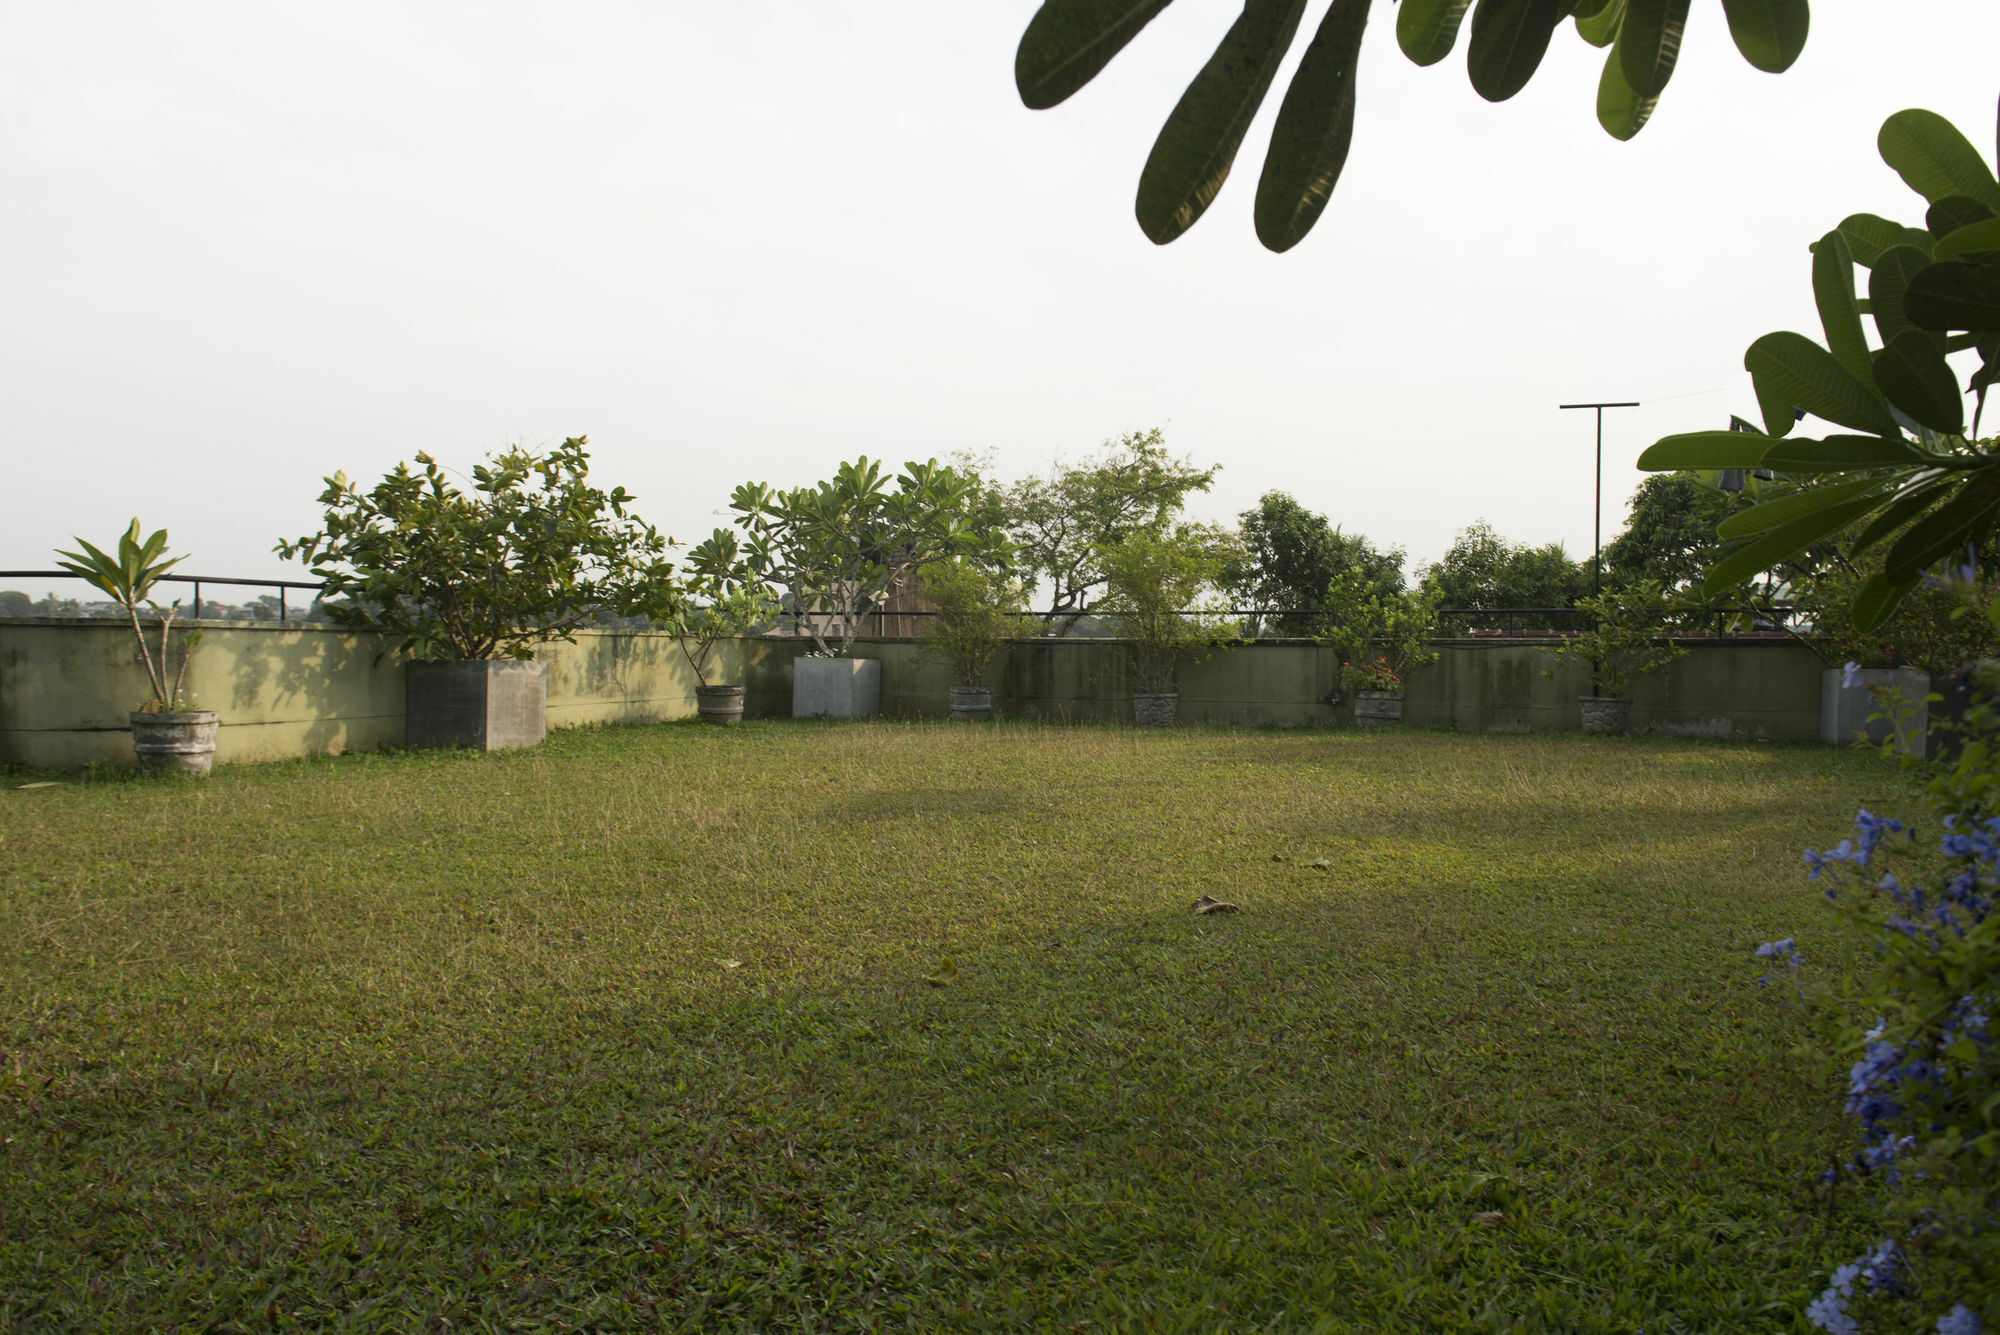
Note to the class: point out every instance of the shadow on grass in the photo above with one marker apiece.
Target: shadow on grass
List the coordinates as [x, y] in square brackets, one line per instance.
[1133, 1122]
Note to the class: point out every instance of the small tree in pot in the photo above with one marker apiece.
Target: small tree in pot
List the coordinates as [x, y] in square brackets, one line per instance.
[1627, 639]
[1380, 638]
[1160, 587]
[840, 549]
[472, 583]
[166, 734]
[723, 602]
[978, 613]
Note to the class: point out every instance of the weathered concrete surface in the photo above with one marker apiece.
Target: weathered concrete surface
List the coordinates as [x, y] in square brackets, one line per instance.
[499, 705]
[836, 687]
[1847, 713]
[289, 690]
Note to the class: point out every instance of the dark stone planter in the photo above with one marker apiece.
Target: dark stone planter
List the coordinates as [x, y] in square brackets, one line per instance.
[971, 704]
[1155, 709]
[1378, 709]
[1605, 714]
[720, 705]
[182, 743]
[483, 706]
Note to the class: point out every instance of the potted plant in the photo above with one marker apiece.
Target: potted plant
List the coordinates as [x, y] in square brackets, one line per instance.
[1158, 585]
[977, 614]
[839, 550]
[730, 604]
[1628, 638]
[472, 583]
[1380, 640]
[166, 735]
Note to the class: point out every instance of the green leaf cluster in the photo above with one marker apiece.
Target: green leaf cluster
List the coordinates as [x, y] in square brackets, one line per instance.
[1067, 42]
[1914, 476]
[1629, 636]
[128, 578]
[530, 554]
[1292, 556]
[978, 612]
[723, 600]
[1161, 586]
[840, 548]
[1483, 569]
[1375, 630]
[1065, 525]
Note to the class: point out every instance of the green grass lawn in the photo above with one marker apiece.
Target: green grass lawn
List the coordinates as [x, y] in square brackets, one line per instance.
[632, 1032]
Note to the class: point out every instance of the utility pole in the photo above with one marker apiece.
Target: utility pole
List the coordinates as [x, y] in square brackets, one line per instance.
[1597, 514]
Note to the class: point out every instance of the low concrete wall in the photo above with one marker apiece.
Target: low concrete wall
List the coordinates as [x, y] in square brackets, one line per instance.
[289, 690]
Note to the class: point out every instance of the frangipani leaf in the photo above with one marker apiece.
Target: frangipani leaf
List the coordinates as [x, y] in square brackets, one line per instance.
[1601, 29]
[1622, 112]
[1785, 540]
[1969, 239]
[1428, 29]
[1951, 213]
[1791, 368]
[1907, 506]
[1315, 125]
[1763, 518]
[1192, 156]
[1954, 294]
[1838, 454]
[1839, 315]
[1912, 374]
[1649, 43]
[1509, 38]
[1877, 599]
[1869, 237]
[1888, 281]
[1068, 41]
[1934, 159]
[1966, 517]
[1706, 449]
[1769, 33]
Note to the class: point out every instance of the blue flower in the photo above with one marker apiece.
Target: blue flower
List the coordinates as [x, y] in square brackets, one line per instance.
[1829, 1312]
[1959, 1321]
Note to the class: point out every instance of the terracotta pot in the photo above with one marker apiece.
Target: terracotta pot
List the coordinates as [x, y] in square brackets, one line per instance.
[182, 743]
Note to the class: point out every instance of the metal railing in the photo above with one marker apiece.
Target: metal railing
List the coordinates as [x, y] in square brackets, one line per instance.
[197, 580]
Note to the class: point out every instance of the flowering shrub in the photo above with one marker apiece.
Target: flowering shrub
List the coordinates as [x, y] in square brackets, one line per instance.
[1375, 675]
[1925, 1081]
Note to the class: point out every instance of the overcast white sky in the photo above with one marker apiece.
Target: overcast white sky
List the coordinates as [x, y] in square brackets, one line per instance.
[253, 243]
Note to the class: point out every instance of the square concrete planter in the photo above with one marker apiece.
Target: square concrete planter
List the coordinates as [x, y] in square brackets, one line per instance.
[486, 706]
[1844, 710]
[836, 687]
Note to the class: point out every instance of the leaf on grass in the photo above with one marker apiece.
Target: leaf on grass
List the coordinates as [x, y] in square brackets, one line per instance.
[1321, 864]
[1208, 905]
[49, 783]
[1489, 1218]
[943, 975]
[730, 964]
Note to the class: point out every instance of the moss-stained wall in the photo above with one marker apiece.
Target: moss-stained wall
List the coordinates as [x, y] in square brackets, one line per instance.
[288, 690]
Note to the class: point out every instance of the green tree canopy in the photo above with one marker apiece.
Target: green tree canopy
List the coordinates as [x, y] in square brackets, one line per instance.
[1485, 570]
[1064, 524]
[1292, 555]
[1669, 535]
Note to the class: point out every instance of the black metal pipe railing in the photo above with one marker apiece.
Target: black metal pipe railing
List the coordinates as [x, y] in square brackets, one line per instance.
[197, 580]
